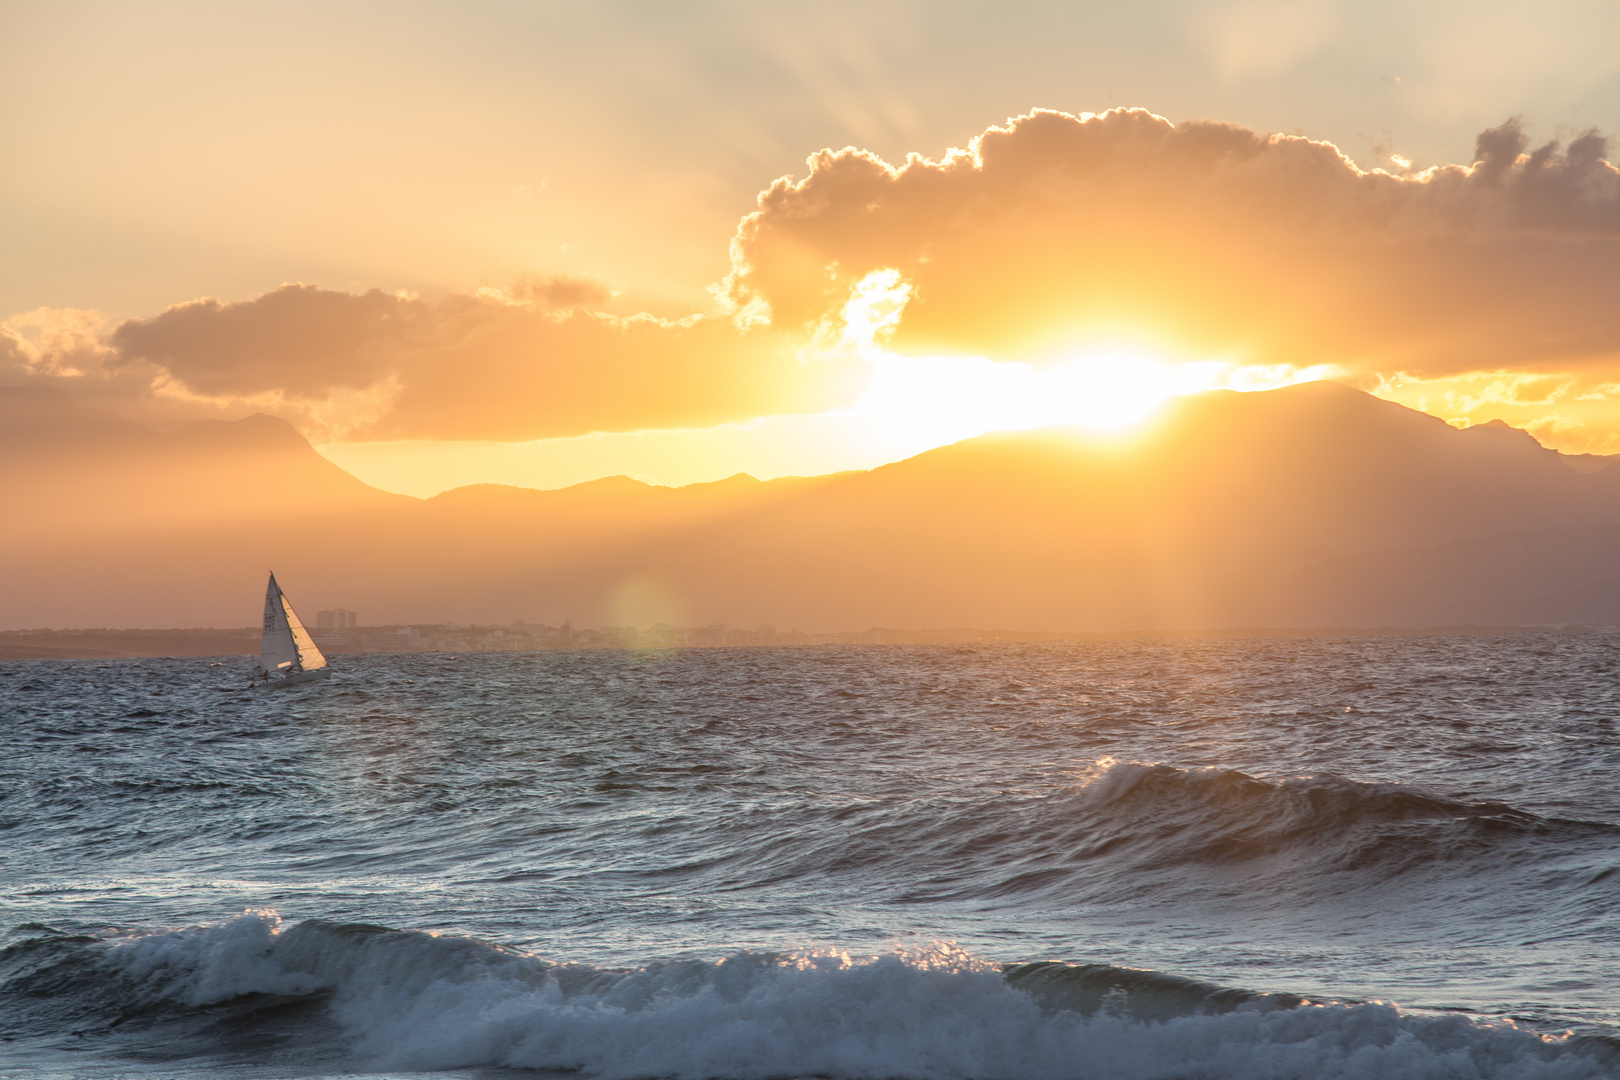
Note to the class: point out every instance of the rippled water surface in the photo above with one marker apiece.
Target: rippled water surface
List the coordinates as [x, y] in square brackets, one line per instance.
[1281, 858]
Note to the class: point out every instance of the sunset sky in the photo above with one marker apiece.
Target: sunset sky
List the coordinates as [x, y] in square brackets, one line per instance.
[541, 243]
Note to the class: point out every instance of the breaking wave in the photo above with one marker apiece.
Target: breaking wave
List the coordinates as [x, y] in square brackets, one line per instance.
[1132, 829]
[397, 1000]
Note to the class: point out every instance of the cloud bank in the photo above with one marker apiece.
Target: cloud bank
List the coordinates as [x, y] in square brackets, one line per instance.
[1210, 237]
[1045, 235]
[491, 365]
[484, 366]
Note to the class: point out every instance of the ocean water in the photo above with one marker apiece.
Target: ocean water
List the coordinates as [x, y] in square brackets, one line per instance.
[1183, 860]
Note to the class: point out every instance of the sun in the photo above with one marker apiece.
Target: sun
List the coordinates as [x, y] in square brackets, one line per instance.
[1105, 391]
[1107, 388]
[933, 400]
[1110, 391]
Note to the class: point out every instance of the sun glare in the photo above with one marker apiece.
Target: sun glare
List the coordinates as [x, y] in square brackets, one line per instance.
[874, 308]
[1109, 391]
[911, 405]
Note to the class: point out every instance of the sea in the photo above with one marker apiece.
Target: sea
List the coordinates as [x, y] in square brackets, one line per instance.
[1258, 859]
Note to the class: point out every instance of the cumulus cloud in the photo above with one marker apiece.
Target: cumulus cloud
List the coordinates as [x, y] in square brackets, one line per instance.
[49, 342]
[491, 365]
[68, 347]
[1041, 238]
[1209, 238]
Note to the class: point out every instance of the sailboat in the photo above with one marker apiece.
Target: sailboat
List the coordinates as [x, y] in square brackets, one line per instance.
[288, 655]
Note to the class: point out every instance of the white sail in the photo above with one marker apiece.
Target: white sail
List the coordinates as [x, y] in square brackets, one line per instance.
[286, 646]
[277, 651]
[309, 656]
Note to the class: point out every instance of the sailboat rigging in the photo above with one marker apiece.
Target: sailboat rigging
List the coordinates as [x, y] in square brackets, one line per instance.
[288, 655]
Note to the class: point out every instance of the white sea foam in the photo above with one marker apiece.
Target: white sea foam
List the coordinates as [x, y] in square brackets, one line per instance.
[419, 1002]
[213, 964]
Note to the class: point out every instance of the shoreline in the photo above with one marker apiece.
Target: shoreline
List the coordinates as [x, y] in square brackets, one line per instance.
[108, 644]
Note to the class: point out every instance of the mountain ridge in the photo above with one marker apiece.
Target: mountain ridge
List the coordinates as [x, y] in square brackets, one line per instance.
[1315, 505]
[64, 467]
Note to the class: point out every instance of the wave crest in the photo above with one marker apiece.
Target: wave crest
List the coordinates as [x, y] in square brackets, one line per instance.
[416, 1001]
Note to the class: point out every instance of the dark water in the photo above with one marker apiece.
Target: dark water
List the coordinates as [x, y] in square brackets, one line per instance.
[1275, 859]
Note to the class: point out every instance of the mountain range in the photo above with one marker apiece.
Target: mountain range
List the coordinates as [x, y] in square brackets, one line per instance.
[1312, 506]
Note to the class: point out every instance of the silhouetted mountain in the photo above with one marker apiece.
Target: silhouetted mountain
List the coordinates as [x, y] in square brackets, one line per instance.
[1311, 506]
[44, 422]
[1297, 507]
[66, 470]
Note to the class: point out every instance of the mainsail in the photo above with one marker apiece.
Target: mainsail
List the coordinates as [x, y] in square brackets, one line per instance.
[287, 645]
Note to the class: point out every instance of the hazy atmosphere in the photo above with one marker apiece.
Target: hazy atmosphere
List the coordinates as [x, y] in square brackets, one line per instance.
[838, 541]
[540, 244]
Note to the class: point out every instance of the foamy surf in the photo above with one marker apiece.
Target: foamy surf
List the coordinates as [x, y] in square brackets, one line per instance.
[406, 1001]
[1432, 822]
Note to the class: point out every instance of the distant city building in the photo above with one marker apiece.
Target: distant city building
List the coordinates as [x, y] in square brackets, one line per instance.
[336, 619]
[403, 639]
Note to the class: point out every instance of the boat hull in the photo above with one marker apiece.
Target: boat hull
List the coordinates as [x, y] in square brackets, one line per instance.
[281, 682]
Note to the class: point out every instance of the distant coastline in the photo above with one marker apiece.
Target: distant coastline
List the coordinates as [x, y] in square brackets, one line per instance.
[104, 644]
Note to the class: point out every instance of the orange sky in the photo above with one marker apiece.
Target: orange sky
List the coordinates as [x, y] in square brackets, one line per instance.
[541, 243]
